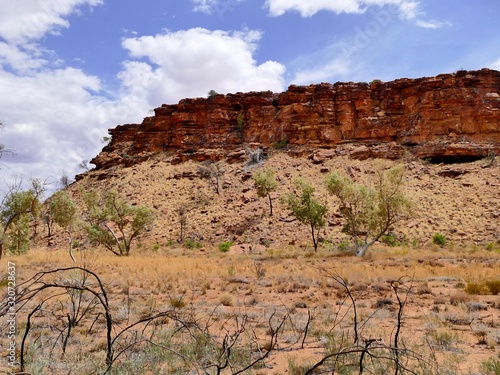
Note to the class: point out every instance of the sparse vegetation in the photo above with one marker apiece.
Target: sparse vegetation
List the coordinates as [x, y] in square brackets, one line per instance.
[17, 209]
[307, 209]
[63, 213]
[265, 183]
[491, 366]
[369, 213]
[192, 244]
[476, 288]
[212, 172]
[439, 239]
[217, 299]
[225, 246]
[114, 223]
[493, 286]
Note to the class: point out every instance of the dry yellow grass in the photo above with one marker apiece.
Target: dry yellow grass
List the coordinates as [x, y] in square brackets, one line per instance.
[149, 281]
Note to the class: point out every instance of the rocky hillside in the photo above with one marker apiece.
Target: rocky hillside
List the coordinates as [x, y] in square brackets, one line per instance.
[460, 201]
[307, 132]
[449, 117]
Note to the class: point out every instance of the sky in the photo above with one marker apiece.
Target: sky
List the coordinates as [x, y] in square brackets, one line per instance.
[71, 69]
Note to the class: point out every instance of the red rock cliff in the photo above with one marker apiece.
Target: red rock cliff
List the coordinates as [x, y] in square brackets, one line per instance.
[448, 116]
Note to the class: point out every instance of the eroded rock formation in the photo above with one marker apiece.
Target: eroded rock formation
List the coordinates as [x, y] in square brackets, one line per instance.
[450, 116]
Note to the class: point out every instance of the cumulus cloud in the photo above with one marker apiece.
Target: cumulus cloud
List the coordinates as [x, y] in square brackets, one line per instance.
[189, 63]
[21, 21]
[55, 119]
[55, 116]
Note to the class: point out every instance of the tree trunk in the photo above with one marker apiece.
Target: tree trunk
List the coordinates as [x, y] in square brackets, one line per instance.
[270, 205]
[71, 250]
[363, 249]
[314, 239]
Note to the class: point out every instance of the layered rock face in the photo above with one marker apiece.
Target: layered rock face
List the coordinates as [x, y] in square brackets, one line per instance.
[449, 117]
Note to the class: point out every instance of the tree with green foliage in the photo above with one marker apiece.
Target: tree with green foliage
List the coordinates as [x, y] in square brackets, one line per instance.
[63, 213]
[307, 209]
[17, 209]
[265, 183]
[114, 223]
[212, 93]
[370, 212]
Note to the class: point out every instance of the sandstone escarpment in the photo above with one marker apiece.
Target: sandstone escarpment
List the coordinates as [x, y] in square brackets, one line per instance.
[450, 116]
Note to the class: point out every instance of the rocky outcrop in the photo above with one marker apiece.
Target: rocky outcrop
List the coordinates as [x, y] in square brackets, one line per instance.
[451, 116]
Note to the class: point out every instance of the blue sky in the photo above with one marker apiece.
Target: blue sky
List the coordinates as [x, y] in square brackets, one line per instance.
[71, 69]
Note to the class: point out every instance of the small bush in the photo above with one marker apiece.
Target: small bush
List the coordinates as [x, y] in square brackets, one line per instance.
[476, 288]
[4, 281]
[225, 246]
[389, 240]
[491, 366]
[493, 286]
[226, 299]
[177, 302]
[280, 145]
[439, 239]
[297, 369]
[190, 244]
[459, 297]
[444, 340]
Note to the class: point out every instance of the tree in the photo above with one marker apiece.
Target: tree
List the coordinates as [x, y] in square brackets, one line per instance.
[212, 172]
[307, 209]
[64, 180]
[113, 223]
[85, 165]
[17, 209]
[182, 213]
[265, 183]
[369, 213]
[212, 93]
[63, 213]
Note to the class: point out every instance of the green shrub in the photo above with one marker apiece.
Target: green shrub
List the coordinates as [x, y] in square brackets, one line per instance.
[439, 239]
[225, 246]
[389, 240]
[280, 145]
[491, 366]
[156, 247]
[190, 244]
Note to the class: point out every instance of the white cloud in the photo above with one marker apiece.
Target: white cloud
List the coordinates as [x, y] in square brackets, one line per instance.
[311, 7]
[218, 6]
[323, 73]
[408, 9]
[191, 62]
[495, 65]
[432, 24]
[55, 119]
[22, 59]
[25, 20]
